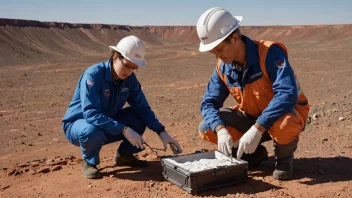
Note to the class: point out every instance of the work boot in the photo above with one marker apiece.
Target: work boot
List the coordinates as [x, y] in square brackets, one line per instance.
[283, 168]
[284, 159]
[128, 160]
[90, 171]
[254, 159]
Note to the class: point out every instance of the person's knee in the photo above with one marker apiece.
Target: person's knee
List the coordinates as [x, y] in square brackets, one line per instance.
[285, 135]
[138, 126]
[92, 134]
[286, 129]
[202, 127]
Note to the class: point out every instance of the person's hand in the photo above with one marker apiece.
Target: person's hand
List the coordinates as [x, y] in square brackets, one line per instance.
[134, 138]
[249, 141]
[225, 142]
[167, 139]
[235, 144]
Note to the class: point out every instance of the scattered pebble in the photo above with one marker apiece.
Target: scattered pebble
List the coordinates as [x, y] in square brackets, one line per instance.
[44, 170]
[315, 117]
[70, 157]
[341, 118]
[56, 168]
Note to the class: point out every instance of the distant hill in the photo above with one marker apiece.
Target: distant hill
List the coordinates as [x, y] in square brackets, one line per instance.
[35, 42]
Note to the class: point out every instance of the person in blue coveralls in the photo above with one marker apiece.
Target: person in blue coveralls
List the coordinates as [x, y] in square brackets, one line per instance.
[96, 115]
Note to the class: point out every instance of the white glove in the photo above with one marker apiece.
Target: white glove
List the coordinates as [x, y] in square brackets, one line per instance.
[134, 138]
[249, 141]
[225, 142]
[235, 144]
[167, 139]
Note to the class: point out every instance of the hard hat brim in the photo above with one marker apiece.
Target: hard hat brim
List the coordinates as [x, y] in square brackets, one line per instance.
[212, 45]
[139, 63]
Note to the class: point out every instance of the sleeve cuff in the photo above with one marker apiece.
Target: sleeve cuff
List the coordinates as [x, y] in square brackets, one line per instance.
[160, 130]
[117, 130]
[262, 121]
[215, 124]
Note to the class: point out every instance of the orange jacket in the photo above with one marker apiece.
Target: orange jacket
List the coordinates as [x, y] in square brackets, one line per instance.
[266, 89]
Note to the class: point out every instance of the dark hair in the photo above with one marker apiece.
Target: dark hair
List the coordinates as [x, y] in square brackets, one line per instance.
[229, 37]
[118, 55]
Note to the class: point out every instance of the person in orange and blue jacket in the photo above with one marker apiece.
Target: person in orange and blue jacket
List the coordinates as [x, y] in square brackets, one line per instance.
[258, 74]
[96, 115]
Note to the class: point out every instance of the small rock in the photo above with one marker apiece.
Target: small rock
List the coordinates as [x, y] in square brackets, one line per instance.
[5, 187]
[111, 176]
[11, 172]
[144, 154]
[108, 189]
[152, 184]
[324, 139]
[14, 172]
[44, 170]
[23, 165]
[64, 162]
[56, 168]
[35, 164]
[315, 117]
[341, 118]
[39, 134]
[70, 157]
[90, 186]
[30, 144]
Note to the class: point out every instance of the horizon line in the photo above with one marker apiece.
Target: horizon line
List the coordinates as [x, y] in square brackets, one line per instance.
[337, 24]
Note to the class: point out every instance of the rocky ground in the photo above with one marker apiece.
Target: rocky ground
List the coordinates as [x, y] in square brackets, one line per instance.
[36, 160]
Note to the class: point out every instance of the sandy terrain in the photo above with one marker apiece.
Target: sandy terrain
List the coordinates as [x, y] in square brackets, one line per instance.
[39, 67]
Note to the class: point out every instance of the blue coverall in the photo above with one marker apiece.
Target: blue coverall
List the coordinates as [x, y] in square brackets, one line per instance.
[96, 116]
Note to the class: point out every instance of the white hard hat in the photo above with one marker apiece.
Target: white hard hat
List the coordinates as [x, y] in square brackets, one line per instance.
[214, 25]
[131, 48]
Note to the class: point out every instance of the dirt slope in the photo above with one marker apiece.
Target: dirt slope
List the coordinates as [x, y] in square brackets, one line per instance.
[33, 42]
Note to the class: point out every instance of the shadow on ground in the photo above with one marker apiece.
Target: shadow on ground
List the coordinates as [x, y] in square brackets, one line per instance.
[318, 170]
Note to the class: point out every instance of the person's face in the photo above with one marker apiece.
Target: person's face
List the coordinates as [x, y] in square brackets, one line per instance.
[226, 50]
[124, 68]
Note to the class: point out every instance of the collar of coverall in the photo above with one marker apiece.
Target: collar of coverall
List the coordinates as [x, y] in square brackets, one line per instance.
[252, 56]
[108, 73]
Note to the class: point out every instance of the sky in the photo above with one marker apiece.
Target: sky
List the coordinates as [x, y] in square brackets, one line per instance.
[179, 12]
